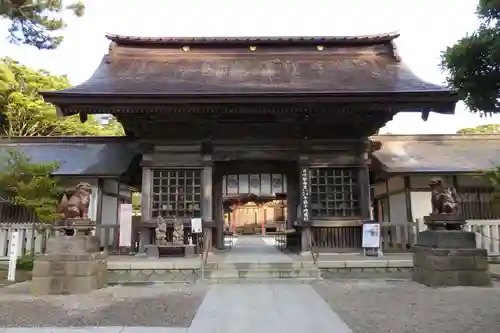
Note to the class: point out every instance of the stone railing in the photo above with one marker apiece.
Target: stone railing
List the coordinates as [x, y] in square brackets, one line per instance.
[33, 239]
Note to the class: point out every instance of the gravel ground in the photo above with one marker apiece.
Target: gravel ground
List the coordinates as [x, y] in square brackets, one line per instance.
[371, 306]
[153, 305]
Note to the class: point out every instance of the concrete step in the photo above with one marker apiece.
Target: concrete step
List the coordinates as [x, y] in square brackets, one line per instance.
[262, 273]
[261, 265]
[261, 281]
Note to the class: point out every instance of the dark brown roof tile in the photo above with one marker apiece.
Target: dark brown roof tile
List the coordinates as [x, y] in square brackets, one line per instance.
[438, 153]
[256, 40]
[370, 65]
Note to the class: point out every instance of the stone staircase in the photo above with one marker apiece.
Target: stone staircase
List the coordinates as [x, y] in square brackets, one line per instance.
[261, 271]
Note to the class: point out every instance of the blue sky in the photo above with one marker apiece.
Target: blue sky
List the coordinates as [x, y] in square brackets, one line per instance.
[426, 27]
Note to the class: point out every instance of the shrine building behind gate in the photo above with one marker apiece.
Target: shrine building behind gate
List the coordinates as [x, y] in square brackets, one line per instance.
[284, 122]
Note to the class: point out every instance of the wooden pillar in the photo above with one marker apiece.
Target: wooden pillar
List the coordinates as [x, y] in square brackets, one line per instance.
[218, 212]
[207, 203]
[145, 236]
[98, 211]
[292, 196]
[364, 192]
[409, 212]
[261, 218]
[116, 231]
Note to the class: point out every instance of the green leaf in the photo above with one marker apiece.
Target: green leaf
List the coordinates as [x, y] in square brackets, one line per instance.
[473, 63]
[25, 113]
[30, 185]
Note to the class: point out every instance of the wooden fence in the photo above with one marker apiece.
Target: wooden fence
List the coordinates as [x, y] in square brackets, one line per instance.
[398, 237]
[395, 237]
[401, 237]
[34, 238]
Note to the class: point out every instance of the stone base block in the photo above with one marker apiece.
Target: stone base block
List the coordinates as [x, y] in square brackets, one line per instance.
[125, 250]
[450, 267]
[447, 239]
[63, 274]
[154, 251]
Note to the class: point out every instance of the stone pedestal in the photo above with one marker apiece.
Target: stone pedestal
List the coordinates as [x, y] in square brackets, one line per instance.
[72, 265]
[448, 257]
[448, 239]
[444, 222]
[450, 267]
[153, 251]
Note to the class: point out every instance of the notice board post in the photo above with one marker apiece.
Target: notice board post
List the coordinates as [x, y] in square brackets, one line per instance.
[371, 238]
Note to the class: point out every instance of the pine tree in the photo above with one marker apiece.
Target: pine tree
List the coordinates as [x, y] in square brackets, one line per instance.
[34, 22]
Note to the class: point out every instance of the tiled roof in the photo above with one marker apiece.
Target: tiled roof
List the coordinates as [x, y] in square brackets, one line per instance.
[138, 66]
[256, 40]
[76, 157]
[438, 153]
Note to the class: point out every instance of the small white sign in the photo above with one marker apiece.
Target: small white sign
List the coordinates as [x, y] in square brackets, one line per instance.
[14, 244]
[196, 226]
[125, 218]
[371, 235]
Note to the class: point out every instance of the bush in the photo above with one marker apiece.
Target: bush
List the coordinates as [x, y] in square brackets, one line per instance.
[25, 262]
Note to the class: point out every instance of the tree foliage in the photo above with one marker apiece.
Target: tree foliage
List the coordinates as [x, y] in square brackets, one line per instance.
[23, 111]
[482, 129]
[35, 22]
[30, 185]
[473, 63]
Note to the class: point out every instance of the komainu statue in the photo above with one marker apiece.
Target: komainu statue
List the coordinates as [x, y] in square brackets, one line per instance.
[178, 234]
[444, 200]
[161, 231]
[77, 206]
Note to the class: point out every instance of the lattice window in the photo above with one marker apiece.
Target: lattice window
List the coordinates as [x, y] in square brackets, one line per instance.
[334, 192]
[176, 193]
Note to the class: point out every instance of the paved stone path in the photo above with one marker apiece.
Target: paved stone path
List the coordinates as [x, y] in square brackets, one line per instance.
[273, 308]
[266, 308]
[241, 308]
[109, 329]
[253, 249]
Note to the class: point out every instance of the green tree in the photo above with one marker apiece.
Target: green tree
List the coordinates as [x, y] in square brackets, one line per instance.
[473, 63]
[35, 22]
[30, 185]
[482, 129]
[23, 112]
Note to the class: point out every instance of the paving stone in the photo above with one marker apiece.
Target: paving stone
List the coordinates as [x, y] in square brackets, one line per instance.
[152, 305]
[380, 306]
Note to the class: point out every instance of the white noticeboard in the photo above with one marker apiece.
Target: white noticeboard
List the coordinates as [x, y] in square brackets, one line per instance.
[371, 235]
[196, 227]
[14, 243]
[125, 215]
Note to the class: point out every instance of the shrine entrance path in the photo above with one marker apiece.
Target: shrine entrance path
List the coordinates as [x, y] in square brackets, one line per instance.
[264, 307]
[253, 249]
